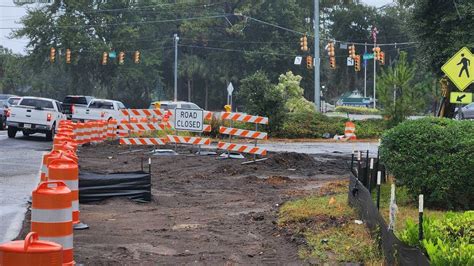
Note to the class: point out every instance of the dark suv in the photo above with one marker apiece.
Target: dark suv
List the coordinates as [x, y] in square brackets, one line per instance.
[74, 100]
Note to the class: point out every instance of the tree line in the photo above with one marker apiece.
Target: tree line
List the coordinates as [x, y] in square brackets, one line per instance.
[220, 42]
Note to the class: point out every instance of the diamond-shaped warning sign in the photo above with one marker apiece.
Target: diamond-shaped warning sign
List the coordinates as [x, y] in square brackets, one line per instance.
[460, 68]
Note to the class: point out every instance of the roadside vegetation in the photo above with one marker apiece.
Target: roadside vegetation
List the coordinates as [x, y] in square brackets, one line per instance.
[357, 110]
[327, 225]
[433, 157]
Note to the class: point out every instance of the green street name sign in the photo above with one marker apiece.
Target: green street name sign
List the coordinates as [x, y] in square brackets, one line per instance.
[368, 56]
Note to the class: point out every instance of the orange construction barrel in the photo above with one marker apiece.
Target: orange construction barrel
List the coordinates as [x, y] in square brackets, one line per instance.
[67, 171]
[31, 251]
[51, 216]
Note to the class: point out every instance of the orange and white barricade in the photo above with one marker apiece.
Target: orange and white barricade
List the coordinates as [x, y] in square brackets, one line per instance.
[112, 129]
[143, 141]
[349, 132]
[244, 118]
[51, 216]
[137, 127]
[31, 251]
[243, 133]
[241, 148]
[189, 140]
[128, 113]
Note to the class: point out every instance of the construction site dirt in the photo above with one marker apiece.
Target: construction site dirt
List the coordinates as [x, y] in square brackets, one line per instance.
[204, 210]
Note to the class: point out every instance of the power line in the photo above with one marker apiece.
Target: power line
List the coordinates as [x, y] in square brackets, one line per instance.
[146, 8]
[128, 23]
[234, 50]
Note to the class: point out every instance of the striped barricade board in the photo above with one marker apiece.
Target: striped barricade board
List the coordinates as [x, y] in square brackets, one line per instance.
[142, 126]
[142, 112]
[208, 115]
[188, 140]
[241, 148]
[143, 141]
[244, 118]
[243, 133]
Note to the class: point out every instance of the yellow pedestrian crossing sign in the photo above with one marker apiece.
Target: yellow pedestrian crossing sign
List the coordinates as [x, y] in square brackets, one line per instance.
[460, 68]
[461, 97]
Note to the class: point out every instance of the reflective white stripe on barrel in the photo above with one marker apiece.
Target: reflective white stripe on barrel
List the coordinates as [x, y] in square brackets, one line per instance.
[72, 184]
[51, 215]
[66, 241]
[75, 205]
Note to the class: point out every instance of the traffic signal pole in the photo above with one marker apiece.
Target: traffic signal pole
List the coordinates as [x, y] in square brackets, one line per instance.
[175, 39]
[317, 61]
[365, 72]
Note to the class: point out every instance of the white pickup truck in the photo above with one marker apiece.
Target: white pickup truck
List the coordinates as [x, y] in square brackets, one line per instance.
[98, 109]
[35, 115]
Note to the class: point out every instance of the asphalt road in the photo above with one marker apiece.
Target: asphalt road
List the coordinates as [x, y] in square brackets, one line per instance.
[334, 148]
[20, 161]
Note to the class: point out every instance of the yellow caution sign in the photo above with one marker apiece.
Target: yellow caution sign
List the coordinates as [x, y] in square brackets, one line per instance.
[460, 68]
[461, 97]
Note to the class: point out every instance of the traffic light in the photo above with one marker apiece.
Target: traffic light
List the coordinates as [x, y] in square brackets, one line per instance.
[136, 57]
[352, 51]
[331, 52]
[357, 63]
[105, 56]
[382, 58]
[52, 55]
[332, 62]
[376, 53]
[309, 62]
[68, 56]
[121, 58]
[304, 43]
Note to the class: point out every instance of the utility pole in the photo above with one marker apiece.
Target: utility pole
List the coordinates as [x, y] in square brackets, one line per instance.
[374, 36]
[175, 40]
[317, 60]
[365, 72]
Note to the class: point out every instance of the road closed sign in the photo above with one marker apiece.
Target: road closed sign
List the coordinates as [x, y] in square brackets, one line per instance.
[189, 120]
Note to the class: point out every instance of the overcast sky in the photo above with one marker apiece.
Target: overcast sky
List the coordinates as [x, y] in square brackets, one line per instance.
[9, 15]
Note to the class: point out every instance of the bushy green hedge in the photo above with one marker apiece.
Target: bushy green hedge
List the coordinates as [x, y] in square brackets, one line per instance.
[357, 110]
[310, 125]
[447, 241]
[434, 157]
[300, 125]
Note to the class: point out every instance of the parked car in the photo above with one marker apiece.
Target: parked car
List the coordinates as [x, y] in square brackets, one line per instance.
[72, 101]
[3, 114]
[98, 109]
[5, 109]
[170, 105]
[34, 115]
[6, 96]
[466, 112]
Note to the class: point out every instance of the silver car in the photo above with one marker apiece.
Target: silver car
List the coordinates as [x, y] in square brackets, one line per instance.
[466, 112]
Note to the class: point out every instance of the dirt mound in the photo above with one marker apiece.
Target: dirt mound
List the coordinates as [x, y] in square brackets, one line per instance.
[277, 180]
[292, 160]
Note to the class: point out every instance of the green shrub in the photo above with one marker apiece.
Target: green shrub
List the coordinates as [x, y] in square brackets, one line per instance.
[357, 110]
[370, 128]
[434, 157]
[314, 125]
[447, 241]
[310, 125]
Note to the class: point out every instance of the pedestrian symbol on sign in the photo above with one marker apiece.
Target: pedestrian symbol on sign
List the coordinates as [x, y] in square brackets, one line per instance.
[459, 68]
[465, 65]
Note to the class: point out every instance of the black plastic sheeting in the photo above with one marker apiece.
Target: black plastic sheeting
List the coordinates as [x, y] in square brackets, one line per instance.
[95, 187]
[395, 251]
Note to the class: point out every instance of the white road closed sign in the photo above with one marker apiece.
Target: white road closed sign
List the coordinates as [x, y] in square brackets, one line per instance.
[189, 120]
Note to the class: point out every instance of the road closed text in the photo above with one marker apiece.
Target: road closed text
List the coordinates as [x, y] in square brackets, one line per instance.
[189, 119]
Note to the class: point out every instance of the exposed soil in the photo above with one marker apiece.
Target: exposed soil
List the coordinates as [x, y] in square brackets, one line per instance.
[204, 210]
